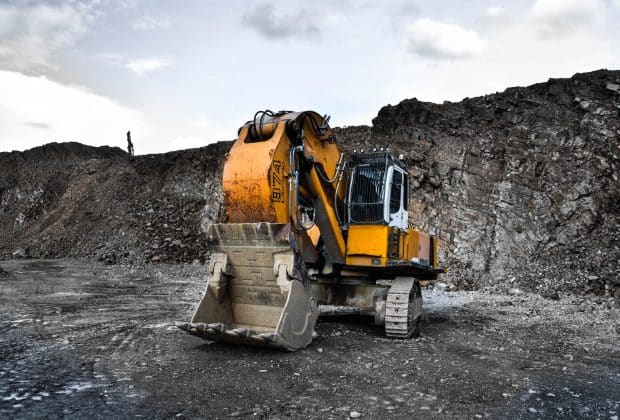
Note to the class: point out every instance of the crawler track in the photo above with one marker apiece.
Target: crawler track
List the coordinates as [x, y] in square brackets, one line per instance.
[403, 308]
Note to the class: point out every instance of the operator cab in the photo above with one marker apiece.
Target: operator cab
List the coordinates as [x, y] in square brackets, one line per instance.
[378, 191]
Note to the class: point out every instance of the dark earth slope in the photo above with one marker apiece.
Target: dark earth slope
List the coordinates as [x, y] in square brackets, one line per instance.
[522, 186]
[73, 200]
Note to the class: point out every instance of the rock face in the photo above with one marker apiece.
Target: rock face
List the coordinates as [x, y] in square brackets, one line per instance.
[521, 186]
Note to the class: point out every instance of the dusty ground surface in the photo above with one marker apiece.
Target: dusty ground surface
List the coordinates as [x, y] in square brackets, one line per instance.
[80, 339]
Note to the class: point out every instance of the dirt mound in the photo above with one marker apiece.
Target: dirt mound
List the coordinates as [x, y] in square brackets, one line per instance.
[521, 186]
[69, 199]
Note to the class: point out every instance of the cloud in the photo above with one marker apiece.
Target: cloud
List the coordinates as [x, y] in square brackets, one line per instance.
[276, 25]
[495, 17]
[37, 124]
[138, 66]
[440, 40]
[556, 18]
[32, 32]
[148, 23]
[36, 110]
[141, 66]
[495, 12]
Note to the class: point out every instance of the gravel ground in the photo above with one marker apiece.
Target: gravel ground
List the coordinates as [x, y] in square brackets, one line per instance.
[85, 340]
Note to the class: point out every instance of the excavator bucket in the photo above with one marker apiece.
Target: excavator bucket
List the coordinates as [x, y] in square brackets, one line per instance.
[254, 295]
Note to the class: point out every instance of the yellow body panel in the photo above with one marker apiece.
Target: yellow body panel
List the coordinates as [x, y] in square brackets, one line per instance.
[362, 261]
[255, 179]
[369, 245]
[368, 240]
[366, 243]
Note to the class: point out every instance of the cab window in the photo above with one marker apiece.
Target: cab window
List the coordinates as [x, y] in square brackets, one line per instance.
[395, 195]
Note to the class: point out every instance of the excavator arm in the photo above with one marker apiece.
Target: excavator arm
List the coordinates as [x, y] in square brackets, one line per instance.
[281, 192]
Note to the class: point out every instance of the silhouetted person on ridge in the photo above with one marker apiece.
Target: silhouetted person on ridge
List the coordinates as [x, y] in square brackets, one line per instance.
[129, 145]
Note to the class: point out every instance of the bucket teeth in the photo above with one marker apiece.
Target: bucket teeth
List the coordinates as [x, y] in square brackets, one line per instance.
[241, 332]
[194, 328]
[216, 328]
[269, 337]
[201, 329]
[183, 325]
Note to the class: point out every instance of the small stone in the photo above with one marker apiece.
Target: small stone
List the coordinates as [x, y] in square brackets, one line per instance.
[585, 105]
[19, 253]
[532, 410]
[320, 350]
[613, 87]
[354, 415]
[551, 294]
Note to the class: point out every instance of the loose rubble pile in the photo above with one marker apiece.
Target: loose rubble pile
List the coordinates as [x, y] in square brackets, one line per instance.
[521, 186]
[73, 200]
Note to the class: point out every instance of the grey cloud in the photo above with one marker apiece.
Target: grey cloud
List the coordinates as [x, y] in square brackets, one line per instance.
[32, 32]
[37, 124]
[140, 66]
[443, 41]
[270, 24]
[148, 23]
[557, 19]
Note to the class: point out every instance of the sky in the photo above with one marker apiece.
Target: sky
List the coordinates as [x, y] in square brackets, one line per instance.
[182, 74]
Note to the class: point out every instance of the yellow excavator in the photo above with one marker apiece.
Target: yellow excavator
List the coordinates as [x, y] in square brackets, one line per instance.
[303, 225]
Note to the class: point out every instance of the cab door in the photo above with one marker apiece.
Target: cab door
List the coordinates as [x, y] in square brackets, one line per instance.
[396, 198]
